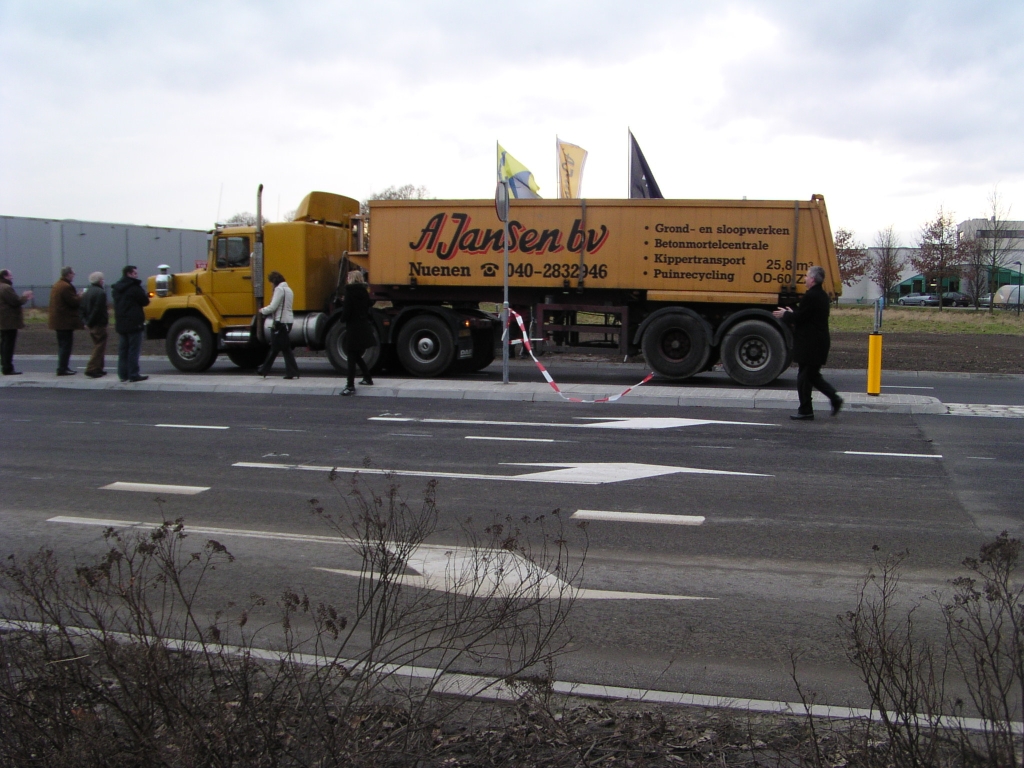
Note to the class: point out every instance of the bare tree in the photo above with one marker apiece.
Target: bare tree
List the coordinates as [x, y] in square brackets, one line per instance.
[887, 265]
[974, 269]
[852, 256]
[243, 219]
[938, 257]
[404, 192]
[1000, 243]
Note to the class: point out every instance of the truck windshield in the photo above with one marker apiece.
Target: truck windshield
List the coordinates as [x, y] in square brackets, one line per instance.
[233, 252]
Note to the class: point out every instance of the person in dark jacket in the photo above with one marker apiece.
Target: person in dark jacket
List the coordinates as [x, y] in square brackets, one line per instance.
[12, 320]
[129, 322]
[358, 329]
[93, 312]
[811, 343]
[63, 313]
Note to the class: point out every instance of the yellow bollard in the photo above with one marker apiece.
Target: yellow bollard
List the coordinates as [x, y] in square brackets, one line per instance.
[875, 364]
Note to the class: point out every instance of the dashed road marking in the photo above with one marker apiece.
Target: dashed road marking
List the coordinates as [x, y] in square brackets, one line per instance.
[902, 386]
[514, 439]
[637, 517]
[189, 426]
[897, 455]
[180, 490]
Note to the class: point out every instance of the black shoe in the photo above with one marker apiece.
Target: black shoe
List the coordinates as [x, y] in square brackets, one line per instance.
[12, 373]
[367, 382]
[292, 377]
[138, 378]
[802, 417]
[348, 391]
[99, 375]
[66, 372]
[837, 405]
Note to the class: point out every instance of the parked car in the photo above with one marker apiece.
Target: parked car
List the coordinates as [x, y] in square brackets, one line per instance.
[955, 299]
[919, 300]
[985, 300]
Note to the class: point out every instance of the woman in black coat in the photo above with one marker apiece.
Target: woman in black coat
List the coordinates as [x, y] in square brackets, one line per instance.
[358, 329]
[811, 343]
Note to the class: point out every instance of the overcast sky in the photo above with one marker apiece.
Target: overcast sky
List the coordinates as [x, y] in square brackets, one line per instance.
[171, 113]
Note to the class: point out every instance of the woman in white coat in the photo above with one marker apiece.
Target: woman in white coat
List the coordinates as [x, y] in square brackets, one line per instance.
[280, 310]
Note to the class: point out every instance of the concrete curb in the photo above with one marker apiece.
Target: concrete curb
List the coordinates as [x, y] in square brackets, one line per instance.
[756, 399]
[600, 363]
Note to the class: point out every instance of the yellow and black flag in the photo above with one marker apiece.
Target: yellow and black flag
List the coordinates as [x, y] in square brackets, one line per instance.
[570, 160]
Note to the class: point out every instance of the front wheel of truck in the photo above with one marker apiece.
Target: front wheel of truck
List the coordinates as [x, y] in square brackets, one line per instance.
[425, 346]
[754, 353]
[191, 346]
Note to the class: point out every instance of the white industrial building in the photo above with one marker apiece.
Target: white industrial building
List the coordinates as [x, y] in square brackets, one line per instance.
[36, 249]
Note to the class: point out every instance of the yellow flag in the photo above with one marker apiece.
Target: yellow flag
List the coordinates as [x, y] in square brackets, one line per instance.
[520, 179]
[570, 160]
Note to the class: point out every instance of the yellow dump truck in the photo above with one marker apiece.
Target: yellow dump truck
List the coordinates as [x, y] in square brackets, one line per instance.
[687, 282]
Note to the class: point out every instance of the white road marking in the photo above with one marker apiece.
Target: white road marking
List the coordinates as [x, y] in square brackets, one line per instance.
[498, 689]
[637, 517]
[982, 458]
[570, 473]
[513, 439]
[900, 386]
[410, 434]
[596, 422]
[898, 455]
[189, 426]
[462, 570]
[985, 409]
[181, 490]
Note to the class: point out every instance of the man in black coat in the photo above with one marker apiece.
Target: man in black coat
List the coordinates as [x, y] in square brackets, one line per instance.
[358, 329]
[811, 343]
[129, 322]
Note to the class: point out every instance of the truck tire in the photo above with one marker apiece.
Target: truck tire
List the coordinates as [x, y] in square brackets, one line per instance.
[754, 353]
[425, 346]
[676, 345]
[335, 348]
[247, 358]
[483, 353]
[191, 347]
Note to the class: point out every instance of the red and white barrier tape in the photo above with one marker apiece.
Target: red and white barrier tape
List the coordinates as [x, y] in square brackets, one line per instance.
[547, 376]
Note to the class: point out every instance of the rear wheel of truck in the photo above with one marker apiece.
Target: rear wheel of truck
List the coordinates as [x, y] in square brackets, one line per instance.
[191, 346]
[754, 353]
[676, 346]
[425, 346]
[335, 348]
[247, 358]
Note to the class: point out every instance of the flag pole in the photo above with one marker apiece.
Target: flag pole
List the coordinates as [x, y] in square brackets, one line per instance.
[504, 279]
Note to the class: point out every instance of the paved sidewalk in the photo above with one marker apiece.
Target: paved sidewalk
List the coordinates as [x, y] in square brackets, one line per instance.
[481, 390]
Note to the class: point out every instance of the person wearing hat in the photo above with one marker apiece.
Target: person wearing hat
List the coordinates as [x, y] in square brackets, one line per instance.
[94, 314]
[12, 319]
[63, 318]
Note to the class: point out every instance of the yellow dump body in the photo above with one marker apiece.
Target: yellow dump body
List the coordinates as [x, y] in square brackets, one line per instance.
[735, 251]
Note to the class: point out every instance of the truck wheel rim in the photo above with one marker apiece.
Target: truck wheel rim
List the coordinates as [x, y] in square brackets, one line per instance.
[189, 345]
[753, 354]
[425, 348]
[675, 344]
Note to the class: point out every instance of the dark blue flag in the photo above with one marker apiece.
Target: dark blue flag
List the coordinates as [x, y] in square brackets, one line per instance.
[641, 180]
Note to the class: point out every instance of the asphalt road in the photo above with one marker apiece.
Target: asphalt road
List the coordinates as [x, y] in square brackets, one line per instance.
[781, 551]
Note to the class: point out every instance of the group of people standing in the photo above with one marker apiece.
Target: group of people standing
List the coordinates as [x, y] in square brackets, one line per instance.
[70, 310]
